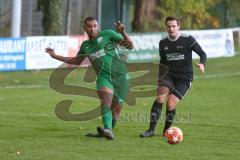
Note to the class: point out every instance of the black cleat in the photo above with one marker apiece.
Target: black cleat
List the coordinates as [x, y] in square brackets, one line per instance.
[146, 134]
[99, 133]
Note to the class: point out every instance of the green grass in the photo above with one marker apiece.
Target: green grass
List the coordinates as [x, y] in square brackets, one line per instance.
[208, 116]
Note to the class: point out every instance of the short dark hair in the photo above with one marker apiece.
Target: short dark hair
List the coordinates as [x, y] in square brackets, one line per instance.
[89, 19]
[172, 18]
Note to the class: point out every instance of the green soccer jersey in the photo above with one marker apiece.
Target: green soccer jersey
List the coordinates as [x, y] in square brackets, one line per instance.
[104, 55]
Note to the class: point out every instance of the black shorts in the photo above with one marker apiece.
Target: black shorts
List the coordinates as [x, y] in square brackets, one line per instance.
[178, 87]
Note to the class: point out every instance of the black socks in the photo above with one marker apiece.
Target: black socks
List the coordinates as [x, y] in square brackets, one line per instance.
[155, 114]
[169, 119]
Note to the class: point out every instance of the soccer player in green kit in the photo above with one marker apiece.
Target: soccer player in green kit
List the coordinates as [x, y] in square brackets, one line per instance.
[112, 77]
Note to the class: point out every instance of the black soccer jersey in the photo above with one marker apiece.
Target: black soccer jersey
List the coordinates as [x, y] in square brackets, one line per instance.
[177, 56]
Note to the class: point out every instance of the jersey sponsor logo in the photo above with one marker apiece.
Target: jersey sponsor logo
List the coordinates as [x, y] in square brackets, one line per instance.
[97, 54]
[175, 56]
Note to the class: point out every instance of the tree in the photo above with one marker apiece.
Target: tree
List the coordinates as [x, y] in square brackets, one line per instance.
[51, 16]
[145, 15]
[5, 24]
[193, 14]
[150, 14]
[231, 12]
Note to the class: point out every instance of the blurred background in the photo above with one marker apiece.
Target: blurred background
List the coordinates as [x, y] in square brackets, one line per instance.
[27, 27]
[64, 17]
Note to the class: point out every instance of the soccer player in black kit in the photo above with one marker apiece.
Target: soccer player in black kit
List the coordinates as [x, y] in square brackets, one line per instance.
[176, 54]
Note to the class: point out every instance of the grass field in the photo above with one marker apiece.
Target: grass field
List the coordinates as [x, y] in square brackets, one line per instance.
[209, 117]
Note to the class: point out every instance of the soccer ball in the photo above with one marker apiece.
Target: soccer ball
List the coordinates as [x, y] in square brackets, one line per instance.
[174, 135]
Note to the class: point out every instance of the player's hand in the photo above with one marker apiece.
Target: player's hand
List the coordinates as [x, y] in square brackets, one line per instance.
[200, 66]
[50, 51]
[119, 27]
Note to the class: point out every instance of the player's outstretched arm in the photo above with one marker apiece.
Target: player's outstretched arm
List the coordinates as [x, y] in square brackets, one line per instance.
[69, 60]
[126, 42]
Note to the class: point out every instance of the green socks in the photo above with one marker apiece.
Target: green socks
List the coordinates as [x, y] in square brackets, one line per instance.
[107, 117]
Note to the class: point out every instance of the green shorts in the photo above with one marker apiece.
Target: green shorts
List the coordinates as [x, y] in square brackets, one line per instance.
[119, 86]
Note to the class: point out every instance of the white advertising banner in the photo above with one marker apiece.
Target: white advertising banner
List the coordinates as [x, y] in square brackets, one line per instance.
[145, 47]
[29, 53]
[216, 43]
[36, 58]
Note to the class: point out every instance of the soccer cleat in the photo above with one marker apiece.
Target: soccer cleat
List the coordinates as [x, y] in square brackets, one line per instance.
[147, 133]
[164, 131]
[99, 133]
[163, 134]
[107, 133]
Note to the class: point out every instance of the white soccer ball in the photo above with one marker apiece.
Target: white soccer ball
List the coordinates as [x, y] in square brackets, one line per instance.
[174, 135]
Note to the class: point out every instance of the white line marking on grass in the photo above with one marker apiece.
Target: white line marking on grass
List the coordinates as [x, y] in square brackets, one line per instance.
[218, 75]
[9, 114]
[24, 86]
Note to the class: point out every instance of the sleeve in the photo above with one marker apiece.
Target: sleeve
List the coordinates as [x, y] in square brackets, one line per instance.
[81, 51]
[114, 36]
[162, 57]
[161, 70]
[198, 49]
